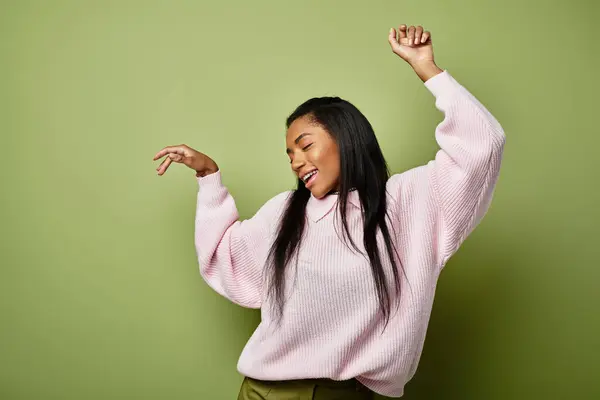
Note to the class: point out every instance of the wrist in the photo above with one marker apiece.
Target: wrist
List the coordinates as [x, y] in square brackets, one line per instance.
[426, 70]
[207, 171]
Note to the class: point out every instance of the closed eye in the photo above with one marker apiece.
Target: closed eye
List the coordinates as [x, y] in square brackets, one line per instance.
[304, 149]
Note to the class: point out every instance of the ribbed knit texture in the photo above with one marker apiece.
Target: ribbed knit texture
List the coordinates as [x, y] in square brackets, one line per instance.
[332, 326]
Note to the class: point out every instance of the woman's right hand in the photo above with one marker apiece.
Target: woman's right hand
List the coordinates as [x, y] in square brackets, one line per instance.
[183, 154]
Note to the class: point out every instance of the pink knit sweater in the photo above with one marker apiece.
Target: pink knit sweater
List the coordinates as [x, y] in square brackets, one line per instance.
[332, 325]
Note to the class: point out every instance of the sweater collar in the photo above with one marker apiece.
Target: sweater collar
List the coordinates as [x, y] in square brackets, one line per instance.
[316, 209]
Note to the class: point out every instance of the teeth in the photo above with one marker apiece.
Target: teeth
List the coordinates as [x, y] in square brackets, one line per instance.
[307, 176]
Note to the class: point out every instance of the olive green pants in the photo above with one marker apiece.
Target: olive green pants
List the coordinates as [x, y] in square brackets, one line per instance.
[305, 389]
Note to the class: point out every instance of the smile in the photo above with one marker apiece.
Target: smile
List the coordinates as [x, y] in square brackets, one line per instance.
[310, 178]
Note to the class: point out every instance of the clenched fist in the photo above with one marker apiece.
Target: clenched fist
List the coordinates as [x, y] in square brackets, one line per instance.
[412, 44]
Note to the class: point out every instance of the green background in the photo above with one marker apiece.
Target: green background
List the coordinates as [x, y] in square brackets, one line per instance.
[100, 295]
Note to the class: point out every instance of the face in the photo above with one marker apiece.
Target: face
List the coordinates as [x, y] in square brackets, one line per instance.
[311, 149]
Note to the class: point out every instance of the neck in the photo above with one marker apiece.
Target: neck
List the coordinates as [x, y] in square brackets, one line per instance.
[338, 192]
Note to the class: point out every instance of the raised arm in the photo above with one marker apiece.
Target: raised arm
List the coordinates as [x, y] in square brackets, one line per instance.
[453, 192]
[447, 198]
[467, 166]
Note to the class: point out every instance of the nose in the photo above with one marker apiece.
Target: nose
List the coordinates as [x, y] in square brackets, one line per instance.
[297, 164]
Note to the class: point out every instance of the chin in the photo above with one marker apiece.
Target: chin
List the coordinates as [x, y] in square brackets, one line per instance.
[319, 193]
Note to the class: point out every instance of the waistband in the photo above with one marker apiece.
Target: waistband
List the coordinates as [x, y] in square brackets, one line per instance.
[325, 382]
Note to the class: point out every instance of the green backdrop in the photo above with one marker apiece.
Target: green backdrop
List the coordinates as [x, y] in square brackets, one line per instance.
[100, 295]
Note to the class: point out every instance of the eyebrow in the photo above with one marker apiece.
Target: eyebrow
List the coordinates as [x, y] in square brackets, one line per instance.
[288, 151]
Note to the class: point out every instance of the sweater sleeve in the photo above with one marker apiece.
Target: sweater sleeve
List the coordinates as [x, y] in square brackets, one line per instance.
[231, 252]
[454, 191]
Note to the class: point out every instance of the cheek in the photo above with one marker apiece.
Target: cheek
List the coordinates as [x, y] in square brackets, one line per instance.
[328, 163]
[331, 158]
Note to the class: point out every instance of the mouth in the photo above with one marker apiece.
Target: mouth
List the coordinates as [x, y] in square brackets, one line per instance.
[310, 178]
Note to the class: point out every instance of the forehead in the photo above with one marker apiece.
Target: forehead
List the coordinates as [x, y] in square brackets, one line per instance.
[302, 127]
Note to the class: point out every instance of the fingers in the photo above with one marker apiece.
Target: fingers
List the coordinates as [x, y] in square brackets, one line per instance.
[171, 157]
[418, 33]
[170, 149]
[175, 157]
[411, 35]
[414, 35]
[402, 32]
[392, 37]
[162, 168]
[394, 43]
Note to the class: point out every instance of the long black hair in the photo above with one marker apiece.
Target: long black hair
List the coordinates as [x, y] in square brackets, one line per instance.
[362, 168]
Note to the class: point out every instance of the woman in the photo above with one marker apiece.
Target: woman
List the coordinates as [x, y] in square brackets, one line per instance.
[344, 267]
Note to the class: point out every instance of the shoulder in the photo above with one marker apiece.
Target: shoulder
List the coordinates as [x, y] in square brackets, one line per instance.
[408, 181]
[275, 205]
[280, 199]
[410, 187]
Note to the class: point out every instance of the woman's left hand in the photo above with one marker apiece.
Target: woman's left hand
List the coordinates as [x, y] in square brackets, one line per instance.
[412, 44]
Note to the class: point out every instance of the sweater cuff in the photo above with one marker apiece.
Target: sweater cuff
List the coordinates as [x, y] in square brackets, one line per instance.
[211, 180]
[443, 84]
